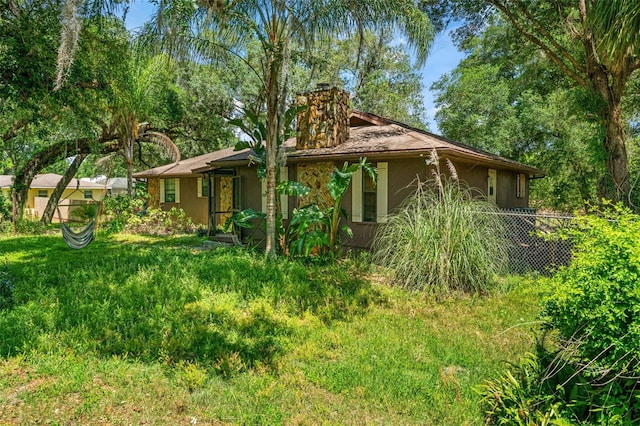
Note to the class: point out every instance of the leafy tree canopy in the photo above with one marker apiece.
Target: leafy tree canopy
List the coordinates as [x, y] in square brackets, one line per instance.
[511, 101]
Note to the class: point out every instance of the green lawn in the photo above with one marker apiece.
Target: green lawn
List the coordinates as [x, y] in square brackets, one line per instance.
[142, 330]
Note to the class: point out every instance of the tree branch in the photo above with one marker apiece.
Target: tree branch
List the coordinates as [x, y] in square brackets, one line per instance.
[555, 57]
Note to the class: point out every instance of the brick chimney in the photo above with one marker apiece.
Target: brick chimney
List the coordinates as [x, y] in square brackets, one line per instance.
[325, 123]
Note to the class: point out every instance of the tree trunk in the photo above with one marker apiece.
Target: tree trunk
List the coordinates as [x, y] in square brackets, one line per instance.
[608, 78]
[272, 92]
[610, 87]
[52, 204]
[46, 157]
[614, 144]
[130, 177]
[131, 134]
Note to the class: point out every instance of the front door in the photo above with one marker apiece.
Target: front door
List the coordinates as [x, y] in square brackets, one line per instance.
[226, 197]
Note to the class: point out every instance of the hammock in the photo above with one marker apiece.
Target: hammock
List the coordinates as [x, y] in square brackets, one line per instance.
[77, 240]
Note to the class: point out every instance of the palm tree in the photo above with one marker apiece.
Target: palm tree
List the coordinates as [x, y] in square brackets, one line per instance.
[134, 96]
[275, 25]
[618, 23]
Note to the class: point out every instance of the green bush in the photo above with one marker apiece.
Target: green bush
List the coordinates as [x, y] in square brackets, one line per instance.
[5, 208]
[594, 303]
[593, 308]
[125, 214]
[30, 227]
[6, 227]
[442, 239]
[159, 222]
[85, 212]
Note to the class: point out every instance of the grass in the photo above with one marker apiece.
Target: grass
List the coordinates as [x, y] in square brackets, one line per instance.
[142, 330]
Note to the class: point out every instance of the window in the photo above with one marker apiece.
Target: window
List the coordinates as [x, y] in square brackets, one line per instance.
[169, 190]
[88, 194]
[491, 185]
[369, 201]
[521, 185]
[203, 187]
[43, 193]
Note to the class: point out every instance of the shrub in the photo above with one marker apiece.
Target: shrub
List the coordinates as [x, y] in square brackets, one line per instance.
[442, 239]
[594, 304]
[159, 222]
[32, 227]
[5, 207]
[592, 374]
[6, 227]
[125, 214]
[85, 212]
[596, 299]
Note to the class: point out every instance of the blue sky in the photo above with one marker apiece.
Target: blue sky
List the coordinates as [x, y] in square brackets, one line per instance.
[443, 57]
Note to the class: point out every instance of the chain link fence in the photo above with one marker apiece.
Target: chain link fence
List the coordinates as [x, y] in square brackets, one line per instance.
[532, 246]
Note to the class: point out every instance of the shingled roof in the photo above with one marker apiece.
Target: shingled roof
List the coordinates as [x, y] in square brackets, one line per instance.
[50, 181]
[370, 136]
[374, 137]
[190, 165]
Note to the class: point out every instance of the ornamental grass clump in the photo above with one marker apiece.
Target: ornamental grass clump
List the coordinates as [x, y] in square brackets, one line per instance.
[444, 238]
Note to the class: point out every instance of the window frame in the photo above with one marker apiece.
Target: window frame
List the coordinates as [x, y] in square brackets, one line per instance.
[163, 191]
[382, 199]
[369, 191]
[204, 184]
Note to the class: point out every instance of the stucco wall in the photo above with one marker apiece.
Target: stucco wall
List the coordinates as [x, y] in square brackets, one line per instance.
[403, 175]
[34, 206]
[402, 181]
[194, 207]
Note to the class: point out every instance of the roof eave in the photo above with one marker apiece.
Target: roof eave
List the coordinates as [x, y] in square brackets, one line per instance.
[504, 163]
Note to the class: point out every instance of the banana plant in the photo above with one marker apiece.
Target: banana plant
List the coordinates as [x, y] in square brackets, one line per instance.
[255, 128]
[338, 184]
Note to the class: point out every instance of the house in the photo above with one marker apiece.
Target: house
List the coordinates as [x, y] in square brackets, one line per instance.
[213, 186]
[116, 186]
[77, 193]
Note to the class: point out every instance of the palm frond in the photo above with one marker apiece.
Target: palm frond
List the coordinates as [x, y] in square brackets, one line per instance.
[104, 162]
[164, 142]
[617, 23]
[344, 16]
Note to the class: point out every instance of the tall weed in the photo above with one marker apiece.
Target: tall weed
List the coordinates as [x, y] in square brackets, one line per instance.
[443, 239]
